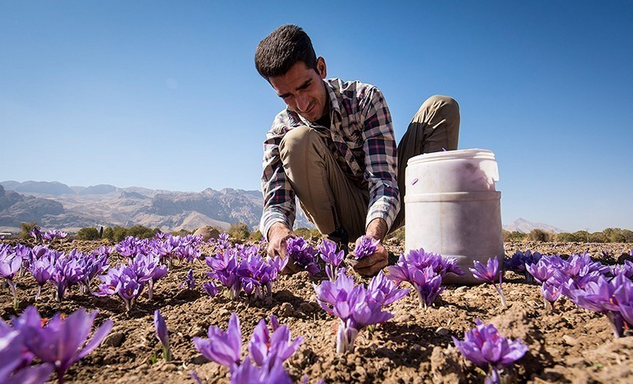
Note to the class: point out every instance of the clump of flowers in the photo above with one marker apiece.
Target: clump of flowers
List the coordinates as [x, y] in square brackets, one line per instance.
[128, 281]
[367, 246]
[242, 268]
[53, 234]
[332, 259]
[519, 261]
[423, 270]
[543, 272]
[61, 341]
[302, 255]
[490, 351]
[355, 306]
[488, 273]
[268, 349]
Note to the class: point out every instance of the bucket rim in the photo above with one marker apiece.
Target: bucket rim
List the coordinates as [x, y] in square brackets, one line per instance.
[472, 153]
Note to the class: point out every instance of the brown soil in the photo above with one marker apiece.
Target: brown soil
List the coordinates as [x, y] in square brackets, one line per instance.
[568, 345]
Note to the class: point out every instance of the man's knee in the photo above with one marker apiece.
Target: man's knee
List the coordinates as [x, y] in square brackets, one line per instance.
[445, 105]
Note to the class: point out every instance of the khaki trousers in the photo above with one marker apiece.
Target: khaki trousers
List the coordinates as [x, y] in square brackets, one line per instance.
[329, 199]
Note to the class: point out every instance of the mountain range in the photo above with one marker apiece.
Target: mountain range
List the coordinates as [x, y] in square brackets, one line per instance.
[54, 205]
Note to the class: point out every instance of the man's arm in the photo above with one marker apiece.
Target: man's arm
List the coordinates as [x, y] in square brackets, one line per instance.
[381, 167]
[279, 198]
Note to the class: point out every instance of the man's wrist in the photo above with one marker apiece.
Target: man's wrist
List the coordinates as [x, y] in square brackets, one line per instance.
[377, 229]
[277, 226]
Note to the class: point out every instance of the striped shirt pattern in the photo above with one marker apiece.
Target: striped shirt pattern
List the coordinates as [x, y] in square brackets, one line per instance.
[362, 141]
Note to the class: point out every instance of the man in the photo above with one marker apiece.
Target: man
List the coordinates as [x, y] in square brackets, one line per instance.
[334, 148]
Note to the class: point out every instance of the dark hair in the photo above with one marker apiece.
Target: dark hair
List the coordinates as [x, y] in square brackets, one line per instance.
[280, 50]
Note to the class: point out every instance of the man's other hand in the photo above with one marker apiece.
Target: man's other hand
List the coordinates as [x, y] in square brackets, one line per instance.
[372, 264]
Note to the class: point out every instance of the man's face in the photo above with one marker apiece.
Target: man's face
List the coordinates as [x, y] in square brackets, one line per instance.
[302, 89]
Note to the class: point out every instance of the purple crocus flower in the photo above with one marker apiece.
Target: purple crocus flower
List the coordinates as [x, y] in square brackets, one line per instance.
[249, 373]
[148, 270]
[224, 269]
[54, 234]
[42, 270]
[623, 296]
[302, 254]
[162, 334]
[488, 274]
[519, 261]
[223, 347]
[210, 288]
[267, 348]
[36, 233]
[487, 349]
[123, 281]
[333, 259]
[60, 341]
[366, 246]
[423, 270]
[190, 281]
[551, 293]
[354, 305]
[605, 297]
[383, 290]
[10, 264]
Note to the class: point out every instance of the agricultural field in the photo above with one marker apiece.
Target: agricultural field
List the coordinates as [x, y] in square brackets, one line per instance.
[564, 342]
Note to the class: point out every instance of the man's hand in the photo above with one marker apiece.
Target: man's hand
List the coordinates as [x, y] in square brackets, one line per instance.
[372, 264]
[278, 234]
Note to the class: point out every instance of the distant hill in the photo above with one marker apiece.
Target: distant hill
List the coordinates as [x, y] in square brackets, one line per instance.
[54, 205]
[43, 187]
[524, 226]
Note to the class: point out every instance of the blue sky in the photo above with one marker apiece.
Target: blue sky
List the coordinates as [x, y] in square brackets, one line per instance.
[164, 94]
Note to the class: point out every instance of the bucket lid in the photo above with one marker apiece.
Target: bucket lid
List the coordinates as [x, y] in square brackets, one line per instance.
[485, 157]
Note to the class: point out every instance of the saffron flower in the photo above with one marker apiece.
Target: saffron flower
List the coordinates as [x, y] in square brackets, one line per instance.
[210, 288]
[268, 349]
[332, 259]
[608, 298]
[54, 234]
[519, 262]
[61, 340]
[488, 274]
[487, 349]
[423, 270]
[162, 334]
[366, 246]
[356, 306]
[123, 281]
[10, 264]
[223, 347]
[302, 255]
[190, 281]
[249, 373]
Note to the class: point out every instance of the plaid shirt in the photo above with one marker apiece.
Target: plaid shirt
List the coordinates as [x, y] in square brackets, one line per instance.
[362, 142]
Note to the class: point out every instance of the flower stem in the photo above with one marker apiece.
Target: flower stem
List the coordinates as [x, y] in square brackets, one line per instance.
[503, 298]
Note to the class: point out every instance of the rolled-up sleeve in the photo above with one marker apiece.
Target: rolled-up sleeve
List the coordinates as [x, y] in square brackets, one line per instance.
[380, 158]
[279, 198]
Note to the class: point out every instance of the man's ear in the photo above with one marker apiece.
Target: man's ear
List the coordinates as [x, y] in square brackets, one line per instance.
[321, 67]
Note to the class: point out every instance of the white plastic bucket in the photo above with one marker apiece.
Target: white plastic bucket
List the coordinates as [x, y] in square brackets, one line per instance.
[453, 208]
